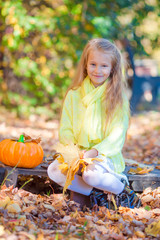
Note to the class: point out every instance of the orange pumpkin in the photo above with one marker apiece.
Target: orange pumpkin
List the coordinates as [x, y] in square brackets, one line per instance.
[26, 153]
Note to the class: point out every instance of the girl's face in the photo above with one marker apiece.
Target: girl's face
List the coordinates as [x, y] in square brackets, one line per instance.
[99, 66]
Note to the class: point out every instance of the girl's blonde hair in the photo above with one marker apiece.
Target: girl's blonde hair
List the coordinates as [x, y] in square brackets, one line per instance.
[115, 86]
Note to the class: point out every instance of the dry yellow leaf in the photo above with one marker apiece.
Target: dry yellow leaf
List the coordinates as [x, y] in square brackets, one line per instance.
[140, 234]
[13, 208]
[69, 152]
[140, 170]
[100, 222]
[28, 209]
[40, 236]
[115, 217]
[156, 211]
[4, 202]
[147, 198]
[71, 159]
[2, 231]
[102, 229]
[50, 207]
[75, 214]
[74, 167]
[81, 220]
[153, 229]
[108, 214]
[146, 170]
[58, 205]
[59, 157]
[63, 167]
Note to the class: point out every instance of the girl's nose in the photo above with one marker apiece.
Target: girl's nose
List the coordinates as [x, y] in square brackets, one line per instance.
[97, 69]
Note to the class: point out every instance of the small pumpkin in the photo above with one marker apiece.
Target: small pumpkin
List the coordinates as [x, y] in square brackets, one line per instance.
[23, 152]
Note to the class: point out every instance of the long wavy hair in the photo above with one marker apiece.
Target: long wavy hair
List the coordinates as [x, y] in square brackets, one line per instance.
[116, 84]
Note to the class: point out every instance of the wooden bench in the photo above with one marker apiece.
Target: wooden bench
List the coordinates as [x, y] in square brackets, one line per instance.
[137, 182]
[11, 174]
[138, 82]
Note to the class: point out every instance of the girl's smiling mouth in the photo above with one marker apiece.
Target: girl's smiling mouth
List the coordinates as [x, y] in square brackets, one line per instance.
[97, 76]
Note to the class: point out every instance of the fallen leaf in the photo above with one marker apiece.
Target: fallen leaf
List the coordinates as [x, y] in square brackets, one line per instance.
[147, 198]
[50, 207]
[156, 211]
[28, 209]
[81, 220]
[2, 231]
[70, 159]
[153, 229]
[140, 234]
[4, 202]
[13, 208]
[131, 162]
[139, 170]
[115, 217]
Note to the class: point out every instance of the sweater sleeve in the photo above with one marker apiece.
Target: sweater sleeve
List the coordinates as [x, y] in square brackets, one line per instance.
[113, 143]
[66, 122]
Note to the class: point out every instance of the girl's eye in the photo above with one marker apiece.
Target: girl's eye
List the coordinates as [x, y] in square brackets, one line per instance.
[92, 64]
[104, 65]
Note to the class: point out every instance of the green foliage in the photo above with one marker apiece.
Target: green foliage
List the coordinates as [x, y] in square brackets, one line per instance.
[41, 43]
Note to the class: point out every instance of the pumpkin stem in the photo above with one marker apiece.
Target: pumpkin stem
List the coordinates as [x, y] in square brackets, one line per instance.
[21, 139]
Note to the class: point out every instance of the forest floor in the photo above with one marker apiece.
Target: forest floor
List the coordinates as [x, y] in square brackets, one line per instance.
[38, 211]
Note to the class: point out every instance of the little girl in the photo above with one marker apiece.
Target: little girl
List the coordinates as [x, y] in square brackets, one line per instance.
[95, 116]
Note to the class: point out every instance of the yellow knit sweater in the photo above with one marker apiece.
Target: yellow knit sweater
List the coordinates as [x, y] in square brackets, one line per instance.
[84, 122]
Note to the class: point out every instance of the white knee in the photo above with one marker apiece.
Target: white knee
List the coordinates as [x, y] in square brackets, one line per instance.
[55, 173]
[107, 179]
[92, 178]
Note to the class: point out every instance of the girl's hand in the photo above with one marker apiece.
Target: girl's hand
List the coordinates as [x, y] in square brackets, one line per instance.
[91, 153]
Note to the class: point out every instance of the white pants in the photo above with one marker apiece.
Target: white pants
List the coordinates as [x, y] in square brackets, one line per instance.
[100, 175]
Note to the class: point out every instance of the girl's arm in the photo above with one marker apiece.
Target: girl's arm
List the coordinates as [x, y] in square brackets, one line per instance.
[114, 141]
[66, 128]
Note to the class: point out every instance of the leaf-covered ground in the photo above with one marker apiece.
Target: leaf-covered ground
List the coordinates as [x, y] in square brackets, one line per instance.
[24, 215]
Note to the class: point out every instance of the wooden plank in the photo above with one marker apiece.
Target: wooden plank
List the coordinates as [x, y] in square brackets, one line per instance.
[11, 176]
[139, 186]
[2, 173]
[138, 182]
[12, 173]
[42, 171]
[39, 170]
[32, 171]
[151, 176]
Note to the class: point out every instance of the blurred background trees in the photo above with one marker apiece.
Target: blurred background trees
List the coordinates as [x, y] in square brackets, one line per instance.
[41, 42]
